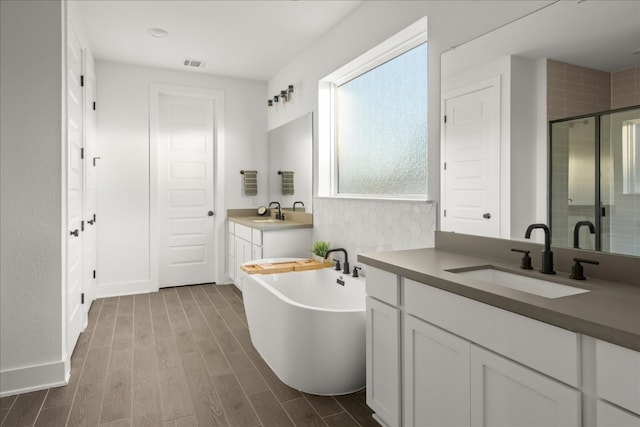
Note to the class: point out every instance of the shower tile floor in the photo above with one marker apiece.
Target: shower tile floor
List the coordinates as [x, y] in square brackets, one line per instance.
[175, 358]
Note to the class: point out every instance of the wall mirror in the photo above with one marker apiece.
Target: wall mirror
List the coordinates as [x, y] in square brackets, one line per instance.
[290, 175]
[599, 35]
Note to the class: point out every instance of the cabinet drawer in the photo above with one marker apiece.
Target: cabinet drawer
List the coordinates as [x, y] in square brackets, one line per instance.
[257, 237]
[243, 232]
[545, 348]
[382, 285]
[618, 375]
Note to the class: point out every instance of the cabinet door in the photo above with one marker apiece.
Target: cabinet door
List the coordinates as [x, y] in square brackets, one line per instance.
[610, 416]
[232, 255]
[383, 361]
[504, 393]
[243, 254]
[256, 252]
[436, 376]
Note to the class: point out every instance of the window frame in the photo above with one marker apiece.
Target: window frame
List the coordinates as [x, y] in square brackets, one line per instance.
[400, 43]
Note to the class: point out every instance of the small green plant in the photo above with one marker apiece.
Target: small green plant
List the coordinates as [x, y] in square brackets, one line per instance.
[320, 248]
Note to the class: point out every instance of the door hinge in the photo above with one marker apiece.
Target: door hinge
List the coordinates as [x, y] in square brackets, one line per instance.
[82, 81]
[82, 153]
[445, 212]
[604, 212]
[81, 225]
[445, 165]
[94, 274]
[82, 298]
[94, 105]
[445, 118]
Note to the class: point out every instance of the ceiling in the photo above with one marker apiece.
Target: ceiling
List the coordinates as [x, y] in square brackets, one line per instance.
[245, 39]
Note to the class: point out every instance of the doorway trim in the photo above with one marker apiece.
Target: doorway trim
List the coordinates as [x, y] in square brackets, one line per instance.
[217, 96]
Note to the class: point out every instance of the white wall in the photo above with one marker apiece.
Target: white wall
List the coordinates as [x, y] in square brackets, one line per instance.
[31, 210]
[123, 173]
[450, 24]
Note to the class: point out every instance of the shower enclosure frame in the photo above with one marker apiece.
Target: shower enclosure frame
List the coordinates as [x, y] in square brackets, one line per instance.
[599, 212]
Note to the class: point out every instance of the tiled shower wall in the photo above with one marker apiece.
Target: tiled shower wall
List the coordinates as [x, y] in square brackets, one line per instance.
[362, 226]
[573, 90]
[625, 88]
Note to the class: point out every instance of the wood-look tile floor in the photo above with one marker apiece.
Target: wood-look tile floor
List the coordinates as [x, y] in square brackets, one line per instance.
[175, 358]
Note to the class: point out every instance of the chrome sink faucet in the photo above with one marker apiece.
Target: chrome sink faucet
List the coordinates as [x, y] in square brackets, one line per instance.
[346, 259]
[547, 255]
[279, 213]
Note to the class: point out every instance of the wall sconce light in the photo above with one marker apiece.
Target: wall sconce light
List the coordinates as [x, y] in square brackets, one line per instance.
[284, 97]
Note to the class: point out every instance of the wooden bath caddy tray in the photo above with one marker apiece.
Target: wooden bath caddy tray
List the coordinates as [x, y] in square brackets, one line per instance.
[284, 267]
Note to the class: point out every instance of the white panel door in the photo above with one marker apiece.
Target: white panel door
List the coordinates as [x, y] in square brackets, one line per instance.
[383, 361]
[471, 161]
[75, 314]
[504, 393]
[436, 376]
[185, 190]
[90, 185]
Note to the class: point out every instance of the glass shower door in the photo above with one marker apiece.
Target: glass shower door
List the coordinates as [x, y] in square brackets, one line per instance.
[595, 177]
[573, 180]
[620, 181]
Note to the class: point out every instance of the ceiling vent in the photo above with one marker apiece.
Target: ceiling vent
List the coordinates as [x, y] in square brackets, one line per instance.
[195, 63]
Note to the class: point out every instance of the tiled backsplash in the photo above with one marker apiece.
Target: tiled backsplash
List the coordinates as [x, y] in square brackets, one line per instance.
[373, 225]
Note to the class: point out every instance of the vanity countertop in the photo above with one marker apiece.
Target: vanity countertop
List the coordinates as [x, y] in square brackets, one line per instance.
[263, 223]
[610, 311]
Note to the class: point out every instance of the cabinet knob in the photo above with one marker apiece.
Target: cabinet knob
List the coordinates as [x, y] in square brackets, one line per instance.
[210, 213]
[486, 215]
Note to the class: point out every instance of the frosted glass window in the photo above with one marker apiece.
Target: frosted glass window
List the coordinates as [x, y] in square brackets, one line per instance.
[381, 129]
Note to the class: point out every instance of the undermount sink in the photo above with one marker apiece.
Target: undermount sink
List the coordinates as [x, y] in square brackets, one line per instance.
[518, 282]
[263, 220]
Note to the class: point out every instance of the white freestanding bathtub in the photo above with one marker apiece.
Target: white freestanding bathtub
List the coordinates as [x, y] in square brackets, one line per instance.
[309, 328]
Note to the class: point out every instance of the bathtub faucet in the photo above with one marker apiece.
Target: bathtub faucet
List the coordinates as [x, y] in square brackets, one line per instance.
[346, 258]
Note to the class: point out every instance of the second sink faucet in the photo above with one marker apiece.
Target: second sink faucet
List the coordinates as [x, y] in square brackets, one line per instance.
[279, 214]
[547, 255]
[346, 258]
[576, 232]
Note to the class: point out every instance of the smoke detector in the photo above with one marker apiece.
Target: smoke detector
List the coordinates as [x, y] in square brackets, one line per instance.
[195, 63]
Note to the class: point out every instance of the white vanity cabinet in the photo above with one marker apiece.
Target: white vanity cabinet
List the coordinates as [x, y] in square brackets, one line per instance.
[383, 346]
[617, 385]
[249, 243]
[464, 362]
[436, 376]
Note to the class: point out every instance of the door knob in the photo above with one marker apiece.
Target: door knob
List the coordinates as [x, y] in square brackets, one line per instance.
[75, 232]
[210, 213]
[486, 215]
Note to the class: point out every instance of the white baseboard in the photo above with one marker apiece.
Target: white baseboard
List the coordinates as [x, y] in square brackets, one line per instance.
[105, 290]
[32, 378]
